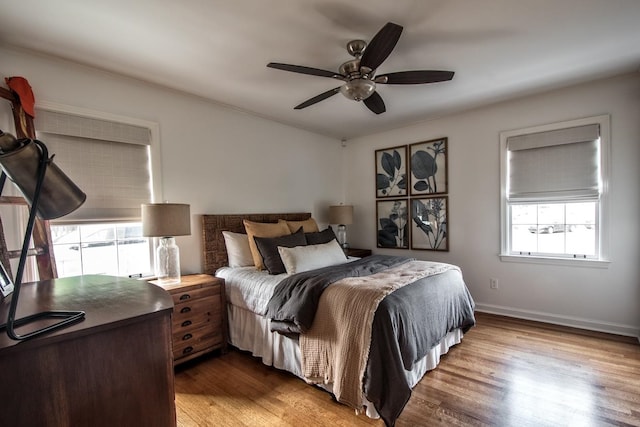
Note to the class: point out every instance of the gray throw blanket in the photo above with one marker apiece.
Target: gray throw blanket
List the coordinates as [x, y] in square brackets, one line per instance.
[407, 323]
[293, 305]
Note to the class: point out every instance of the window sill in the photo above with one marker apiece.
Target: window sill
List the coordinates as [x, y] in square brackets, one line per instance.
[592, 263]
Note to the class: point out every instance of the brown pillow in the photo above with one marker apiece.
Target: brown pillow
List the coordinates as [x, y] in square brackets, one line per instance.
[262, 229]
[308, 225]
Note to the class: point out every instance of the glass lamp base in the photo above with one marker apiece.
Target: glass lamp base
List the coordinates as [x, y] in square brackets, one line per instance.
[168, 261]
[342, 236]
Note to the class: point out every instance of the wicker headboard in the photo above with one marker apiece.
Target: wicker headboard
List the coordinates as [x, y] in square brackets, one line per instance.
[215, 251]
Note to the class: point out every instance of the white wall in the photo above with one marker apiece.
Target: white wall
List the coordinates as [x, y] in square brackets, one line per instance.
[605, 299]
[216, 159]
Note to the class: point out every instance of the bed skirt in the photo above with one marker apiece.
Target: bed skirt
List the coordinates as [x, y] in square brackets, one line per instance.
[250, 332]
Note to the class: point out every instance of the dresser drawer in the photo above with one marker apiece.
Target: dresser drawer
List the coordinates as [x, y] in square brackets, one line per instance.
[200, 339]
[194, 294]
[194, 333]
[188, 310]
[196, 320]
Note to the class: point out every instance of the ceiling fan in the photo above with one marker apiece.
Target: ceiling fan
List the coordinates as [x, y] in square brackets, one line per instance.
[359, 73]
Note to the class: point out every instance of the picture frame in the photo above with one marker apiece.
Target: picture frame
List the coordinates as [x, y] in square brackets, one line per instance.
[6, 285]
[391, 172]
[430, 223]
[428, 167]
[392, 219]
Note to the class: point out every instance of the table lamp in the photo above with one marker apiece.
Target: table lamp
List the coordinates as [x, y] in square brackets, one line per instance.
[166, 220]
[50, 194]
[341, 215]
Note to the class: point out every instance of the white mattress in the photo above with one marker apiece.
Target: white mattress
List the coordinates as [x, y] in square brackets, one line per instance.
[248, 292]
[249, 288]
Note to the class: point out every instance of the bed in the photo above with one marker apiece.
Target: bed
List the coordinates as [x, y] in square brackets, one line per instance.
[369, 361]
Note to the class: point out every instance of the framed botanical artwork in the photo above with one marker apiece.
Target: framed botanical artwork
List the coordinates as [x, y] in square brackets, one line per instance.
[430, 223]
[428, 167]
[392, 218]
[391, 172]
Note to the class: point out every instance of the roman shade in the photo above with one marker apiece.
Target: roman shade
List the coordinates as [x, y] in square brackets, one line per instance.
[558, 165]
[108, 160]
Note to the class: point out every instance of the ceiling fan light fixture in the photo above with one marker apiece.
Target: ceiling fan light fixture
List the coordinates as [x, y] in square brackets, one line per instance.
[358, 89]
[359, 73]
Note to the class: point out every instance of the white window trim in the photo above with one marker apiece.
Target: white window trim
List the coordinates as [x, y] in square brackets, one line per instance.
[154, 142]
[602, 259]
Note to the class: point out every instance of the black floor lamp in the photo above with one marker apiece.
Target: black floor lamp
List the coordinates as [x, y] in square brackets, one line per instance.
[50, 194]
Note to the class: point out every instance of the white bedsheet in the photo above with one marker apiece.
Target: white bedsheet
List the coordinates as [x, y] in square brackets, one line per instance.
[249, 288]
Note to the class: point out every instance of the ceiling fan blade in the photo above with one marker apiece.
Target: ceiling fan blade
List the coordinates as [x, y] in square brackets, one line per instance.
[375, 103]
[414, 77]
[381, 45]
[305, 70]
[317, 98]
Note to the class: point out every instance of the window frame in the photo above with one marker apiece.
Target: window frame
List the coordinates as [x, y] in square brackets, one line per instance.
[602, 215]
[155, 165]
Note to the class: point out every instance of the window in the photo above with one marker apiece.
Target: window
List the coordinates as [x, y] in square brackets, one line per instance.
[113, 249]
[554, 191]
[554, 229]
[110, 159]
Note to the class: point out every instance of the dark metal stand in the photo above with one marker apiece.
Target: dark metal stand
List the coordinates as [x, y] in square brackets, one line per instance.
[67, 316]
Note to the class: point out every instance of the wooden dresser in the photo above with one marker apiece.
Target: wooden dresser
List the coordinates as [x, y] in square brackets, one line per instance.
[199, 321]
[114, 368]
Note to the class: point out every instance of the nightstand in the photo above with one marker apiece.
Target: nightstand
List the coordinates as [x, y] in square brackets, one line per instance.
[199, 319]
[360, 253]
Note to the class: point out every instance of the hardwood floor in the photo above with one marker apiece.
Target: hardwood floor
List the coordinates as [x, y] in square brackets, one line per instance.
[506, 372]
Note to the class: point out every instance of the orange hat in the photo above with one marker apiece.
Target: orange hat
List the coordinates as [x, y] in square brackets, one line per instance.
[21, 86]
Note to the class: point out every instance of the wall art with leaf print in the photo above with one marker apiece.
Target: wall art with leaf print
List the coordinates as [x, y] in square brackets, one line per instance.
[391, 172]
[429, 223]
[428, 167]
[392, 217]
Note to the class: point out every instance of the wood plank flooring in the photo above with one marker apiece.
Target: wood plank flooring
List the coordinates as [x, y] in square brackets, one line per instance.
[506, 372]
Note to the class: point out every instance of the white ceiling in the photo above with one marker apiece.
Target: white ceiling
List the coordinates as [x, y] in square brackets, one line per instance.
[218, 49]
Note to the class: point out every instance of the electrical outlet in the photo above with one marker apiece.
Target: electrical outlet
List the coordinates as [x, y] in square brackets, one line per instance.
[493, 283]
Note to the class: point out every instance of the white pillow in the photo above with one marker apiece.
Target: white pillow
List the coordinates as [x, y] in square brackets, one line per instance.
[305, 258]
[238, 250]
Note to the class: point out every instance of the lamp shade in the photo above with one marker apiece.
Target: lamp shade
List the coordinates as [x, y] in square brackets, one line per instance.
[342, 214]
[20, 160]
[165, 219]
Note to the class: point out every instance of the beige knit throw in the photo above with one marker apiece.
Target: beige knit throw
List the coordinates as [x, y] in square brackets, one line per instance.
[336, 348]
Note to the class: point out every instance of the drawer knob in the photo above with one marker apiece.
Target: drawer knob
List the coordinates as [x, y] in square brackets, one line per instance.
[187, 350]
[187, 337]
[185, 297]
[185, 310]
[186, 323]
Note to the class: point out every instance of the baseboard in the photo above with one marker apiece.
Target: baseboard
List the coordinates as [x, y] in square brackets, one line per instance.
[574, 322]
